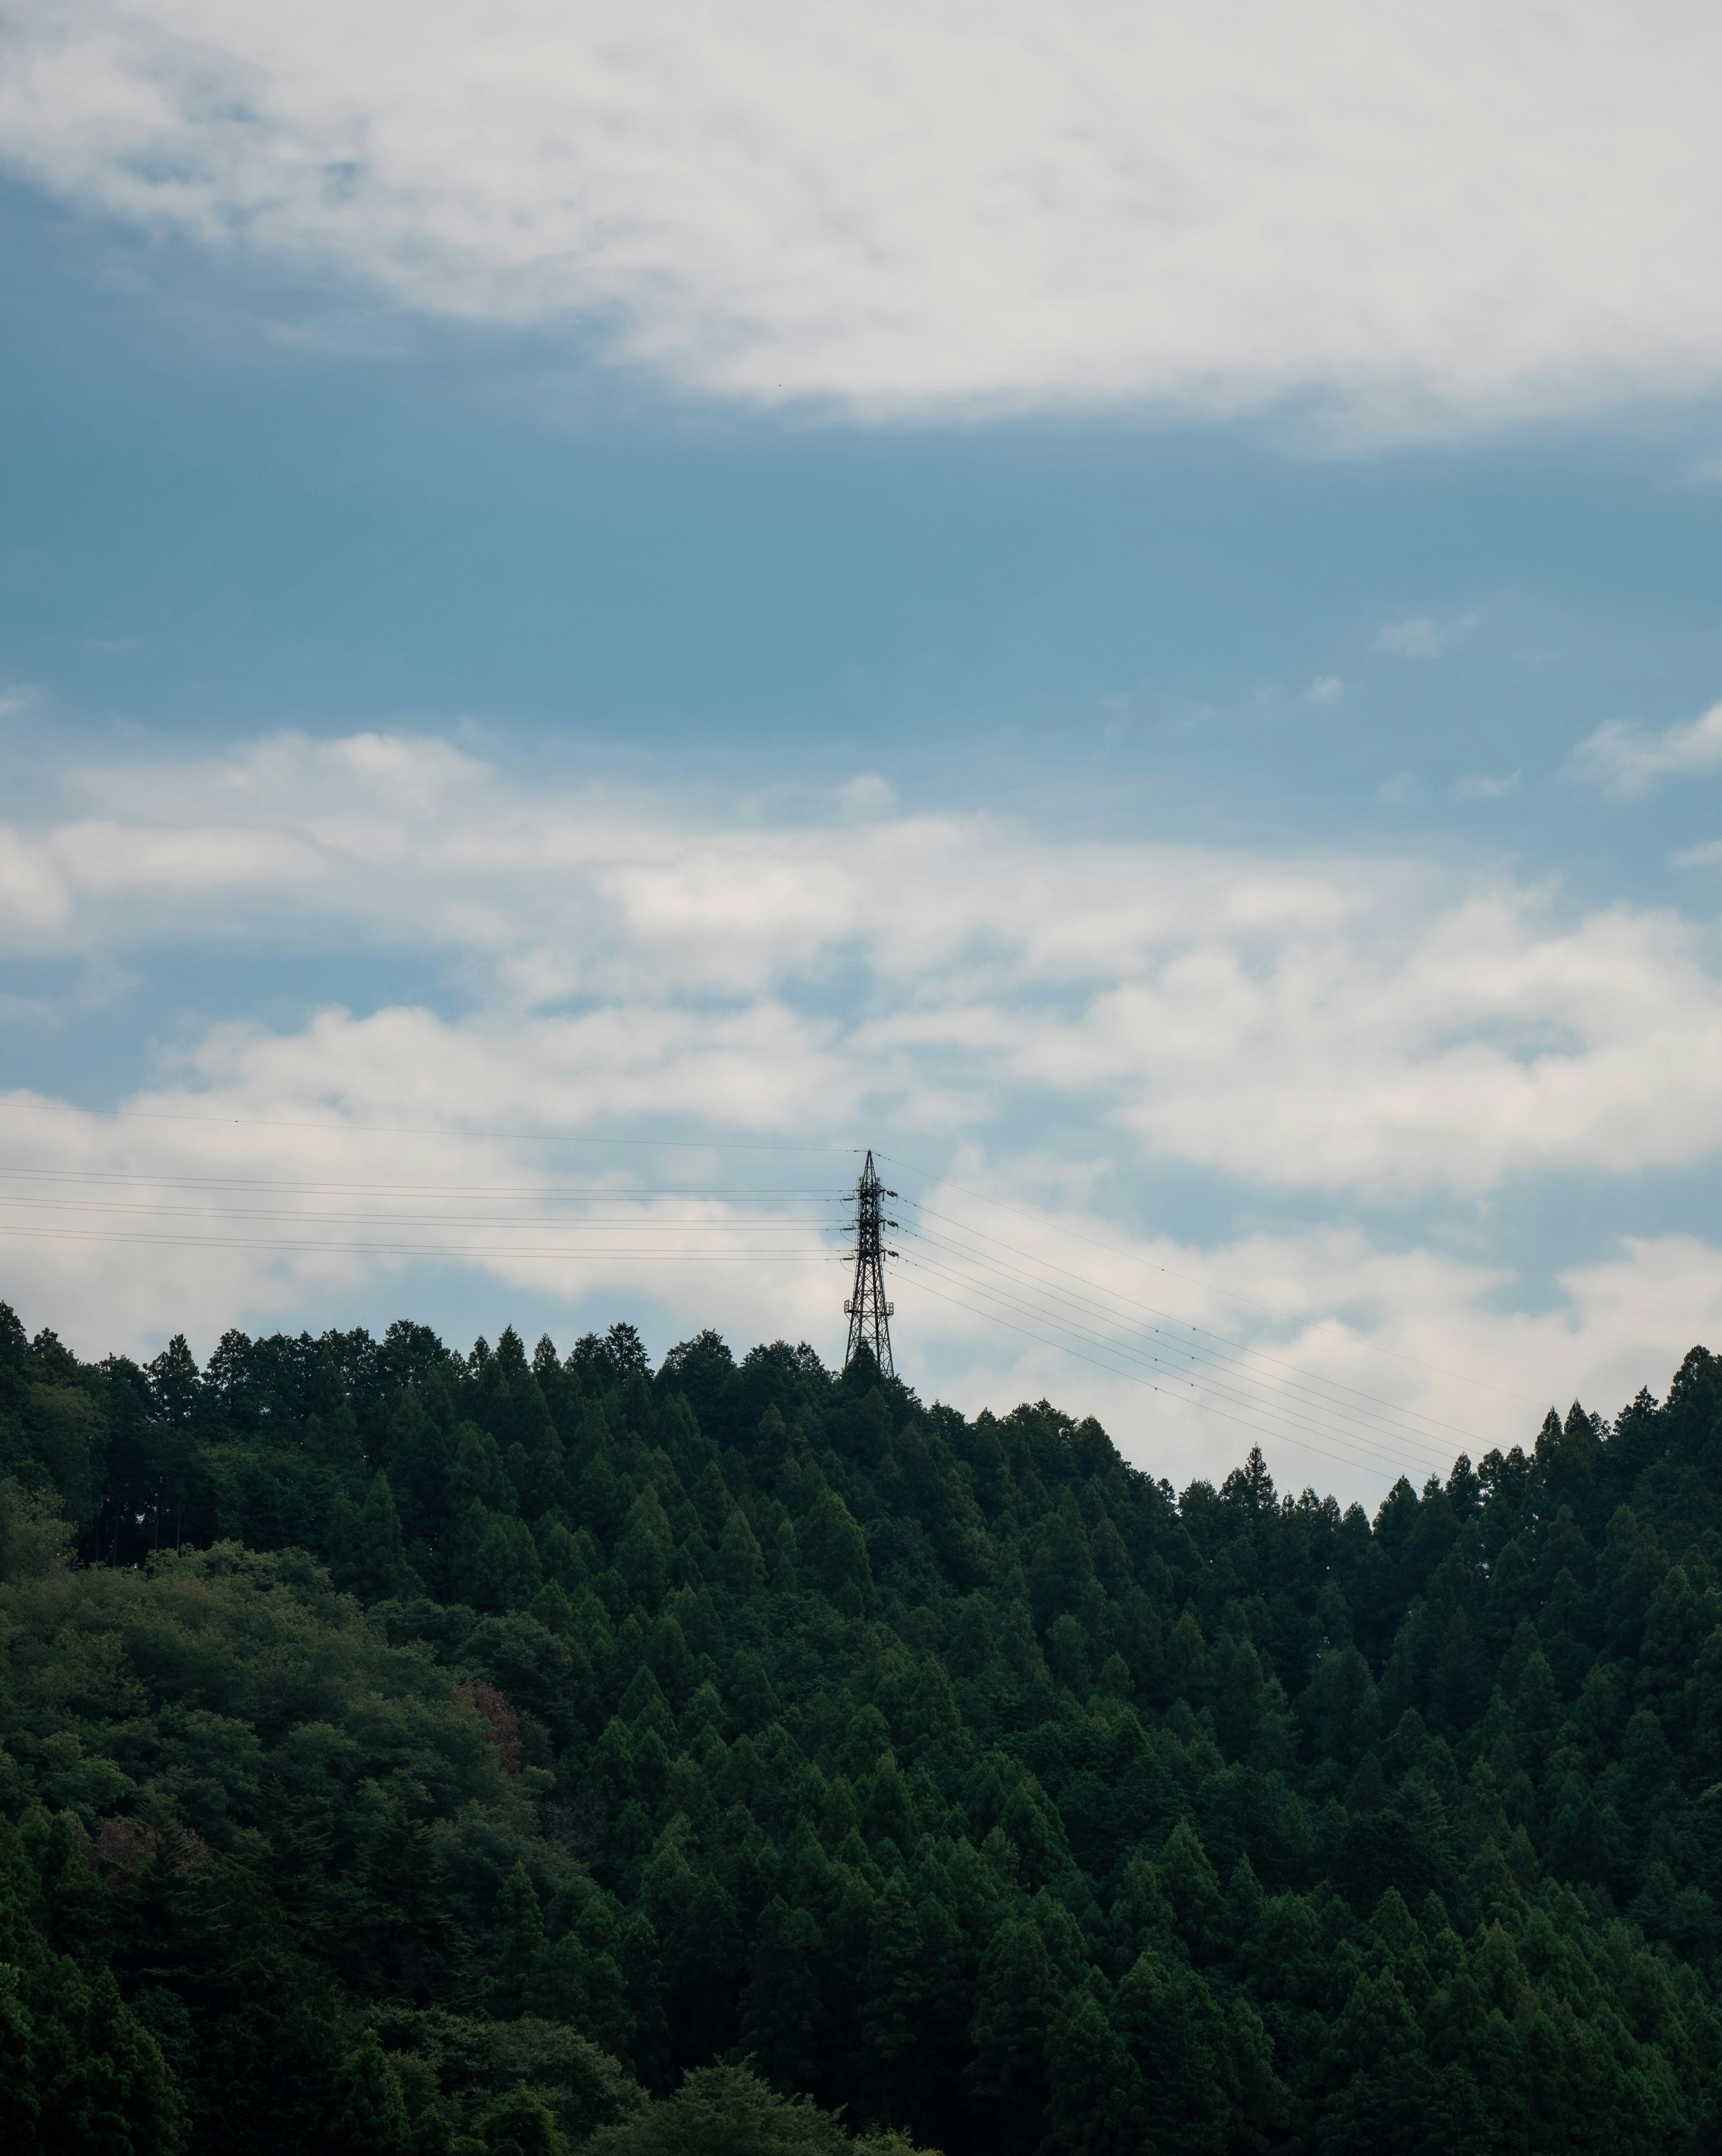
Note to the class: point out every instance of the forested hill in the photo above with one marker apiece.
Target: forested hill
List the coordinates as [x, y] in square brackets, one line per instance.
[412, 1750]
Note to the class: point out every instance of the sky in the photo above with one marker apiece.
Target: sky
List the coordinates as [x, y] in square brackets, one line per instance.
[603, 607]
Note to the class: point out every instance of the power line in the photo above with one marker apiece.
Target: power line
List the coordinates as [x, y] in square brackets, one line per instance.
[1277, 1417]
[831, 1192]
[632, 1225]
[582, 1220]
[411, 1249]
[1292, 1413]
[1299, 1382]
[1130, 1377]
[1288, 1318]
[1242, 1347]
[340, 1129]
[1351, 1423]
[1216, 1357]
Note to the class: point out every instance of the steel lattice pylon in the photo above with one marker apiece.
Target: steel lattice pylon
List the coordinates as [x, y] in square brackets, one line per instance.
[868, 1313]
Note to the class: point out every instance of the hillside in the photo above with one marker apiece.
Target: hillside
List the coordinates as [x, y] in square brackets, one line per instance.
[406, 1749]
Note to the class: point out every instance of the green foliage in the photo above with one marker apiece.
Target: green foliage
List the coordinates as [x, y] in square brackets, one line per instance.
[77, 2068]
[371, 2113]
[729, 2110]
[497, 1755]
[520, 2124]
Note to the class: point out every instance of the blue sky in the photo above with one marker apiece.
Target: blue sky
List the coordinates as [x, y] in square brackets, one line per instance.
[1168, 692]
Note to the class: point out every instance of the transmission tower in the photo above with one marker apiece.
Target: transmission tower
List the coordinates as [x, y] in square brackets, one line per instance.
[868, 1313]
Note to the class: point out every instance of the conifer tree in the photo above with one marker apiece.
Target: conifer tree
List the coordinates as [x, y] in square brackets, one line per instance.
[1017, 1997]
[1095, 2104]
[523, 1943]
[1166, 2019]
[929, 1814]
[782, 2018]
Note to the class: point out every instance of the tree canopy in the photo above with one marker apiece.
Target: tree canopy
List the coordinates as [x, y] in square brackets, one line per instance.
[493, 1754]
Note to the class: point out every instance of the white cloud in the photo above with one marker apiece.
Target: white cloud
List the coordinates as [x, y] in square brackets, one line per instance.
[1374, 1362]
[1328, 688]
[255, 1199]
[1423, 636]
[1344, 1023]
[1394, 793]
[1624, 760]
[33, 896]
[867, 795]
[1421, 216]
[1478, 786]
[1348, 1362]
[1706, 856]
[1415, 639]
[625, 961]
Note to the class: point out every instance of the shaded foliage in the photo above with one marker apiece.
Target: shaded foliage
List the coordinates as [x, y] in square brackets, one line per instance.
[409, 1751]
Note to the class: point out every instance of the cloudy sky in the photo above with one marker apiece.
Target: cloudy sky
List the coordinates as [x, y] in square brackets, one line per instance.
[601, 605]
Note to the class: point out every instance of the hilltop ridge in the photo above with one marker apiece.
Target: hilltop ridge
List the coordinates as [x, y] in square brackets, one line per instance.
[433, 1725]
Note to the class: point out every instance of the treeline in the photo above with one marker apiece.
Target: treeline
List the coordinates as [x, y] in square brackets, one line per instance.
[405, 1750]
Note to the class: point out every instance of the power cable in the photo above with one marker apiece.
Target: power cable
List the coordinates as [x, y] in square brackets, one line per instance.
[633, 1224]
[430, 1189]
[444, 1130]
[1275, 1413]
[1301, 1444]
[1277, 1417]
[1240, 1346]
[1047, 1220]
[411, 1249]
[1302, 1385]
[399, 1219]
[1203, 1356]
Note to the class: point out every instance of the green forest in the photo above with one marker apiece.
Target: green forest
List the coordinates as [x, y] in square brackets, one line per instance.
[505, 1753]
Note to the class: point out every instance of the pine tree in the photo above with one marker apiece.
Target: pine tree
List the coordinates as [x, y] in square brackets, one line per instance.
[703, 1958]
[523, 1944]
[891, 1999]
[740, 1566]
[1166, 2018]
[401, 1938]
[1190, 1884]
[782, 2017]
[102, 2082]
[1017, 1997]
[1095, 2103]
[383, 1570]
